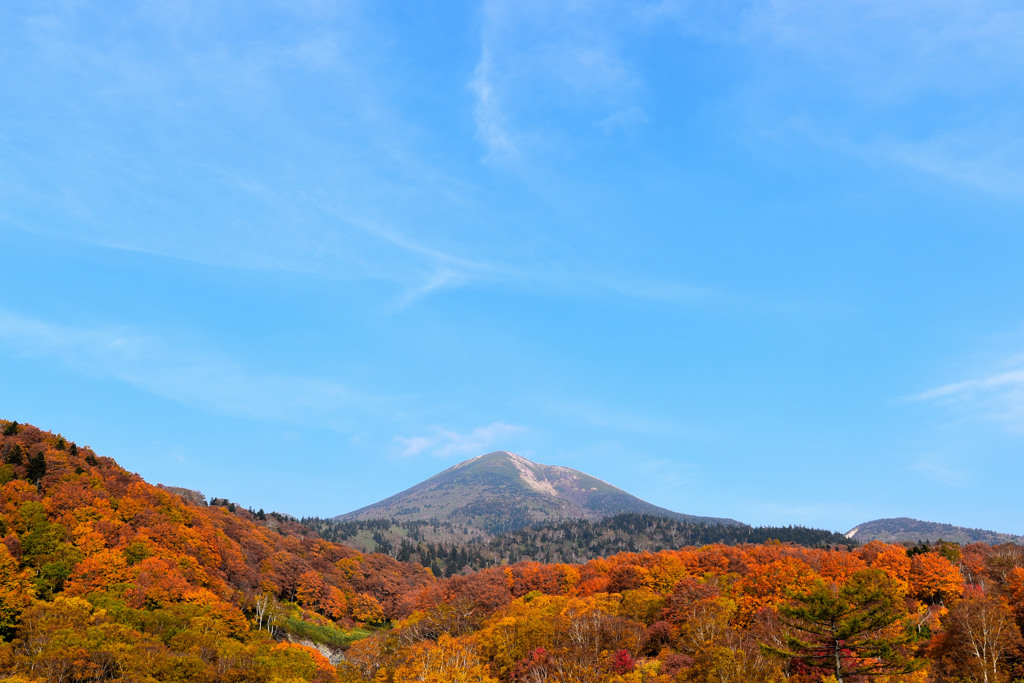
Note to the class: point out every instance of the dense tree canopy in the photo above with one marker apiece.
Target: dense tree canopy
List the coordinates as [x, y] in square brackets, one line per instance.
[105, 577]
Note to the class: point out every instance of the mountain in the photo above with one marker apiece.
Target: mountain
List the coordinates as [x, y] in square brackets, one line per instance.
[907, 530]
[502, 491]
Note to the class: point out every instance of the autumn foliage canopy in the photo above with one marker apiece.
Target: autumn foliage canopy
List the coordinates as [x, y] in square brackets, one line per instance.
[104, 577]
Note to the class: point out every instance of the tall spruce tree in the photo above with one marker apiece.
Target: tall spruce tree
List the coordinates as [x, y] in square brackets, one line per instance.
[13, 455]
[36, 468]
[857, 628]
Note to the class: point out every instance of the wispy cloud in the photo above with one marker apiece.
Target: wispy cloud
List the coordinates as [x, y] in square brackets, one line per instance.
[1013, 380]
[931, 86]
[618, 419]
[435, 282]
[924, 84]
[542, 65]
[937, 469]
[998, 397]
[206, 381]
[163, 104]
[221, 161]
[445, 443]
[892, 51]
[490, 120]
[988, 159]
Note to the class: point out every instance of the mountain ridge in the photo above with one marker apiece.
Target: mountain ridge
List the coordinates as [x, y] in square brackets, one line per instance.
[910, 530]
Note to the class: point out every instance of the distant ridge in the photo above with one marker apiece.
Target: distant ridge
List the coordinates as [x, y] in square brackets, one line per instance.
[501, 491]
[908, 530]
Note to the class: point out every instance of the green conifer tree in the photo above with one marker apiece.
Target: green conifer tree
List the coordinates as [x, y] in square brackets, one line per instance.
[856, 628]
[36, 468]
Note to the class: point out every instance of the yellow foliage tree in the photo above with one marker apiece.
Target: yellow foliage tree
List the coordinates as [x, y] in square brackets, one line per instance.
[16, 592]
[449, 660]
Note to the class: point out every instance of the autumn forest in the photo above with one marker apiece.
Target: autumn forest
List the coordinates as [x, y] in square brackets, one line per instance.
[105, 577]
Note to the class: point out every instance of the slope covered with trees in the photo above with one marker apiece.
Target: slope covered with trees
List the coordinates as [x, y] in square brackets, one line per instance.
[449, 548]
[104, 577]
[729, 614]
[907, 530]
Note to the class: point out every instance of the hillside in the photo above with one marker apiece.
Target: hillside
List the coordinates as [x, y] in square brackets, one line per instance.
[714, 613]
[448, 550]
[104, 572]
[501, 491]
[907, 530]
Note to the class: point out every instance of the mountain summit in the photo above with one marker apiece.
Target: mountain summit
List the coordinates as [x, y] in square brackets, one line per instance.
[502, 491]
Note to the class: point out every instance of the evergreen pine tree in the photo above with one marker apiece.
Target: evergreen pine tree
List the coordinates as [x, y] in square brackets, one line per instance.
[13, 456]
[36, 468]
[852, 629]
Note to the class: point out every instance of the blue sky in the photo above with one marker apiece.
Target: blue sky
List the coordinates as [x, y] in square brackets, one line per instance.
[756, 260]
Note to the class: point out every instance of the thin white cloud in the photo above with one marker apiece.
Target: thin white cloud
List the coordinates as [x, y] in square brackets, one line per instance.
[925, 84]
[445, 443]
[937, 469]
[896, 50]
[490, 120]
[541, 63]
[998, 397]
[441, 279]
[265, 215]
[405, 243]
[932, 86]
[205, 381]
[367, 201]
[1013, 379]
[990, 159]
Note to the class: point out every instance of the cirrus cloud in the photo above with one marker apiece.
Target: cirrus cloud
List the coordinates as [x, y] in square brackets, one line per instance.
[446, 443]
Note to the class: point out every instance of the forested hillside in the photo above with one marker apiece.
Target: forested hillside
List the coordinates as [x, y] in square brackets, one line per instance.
[730, 614]
[907, 530]
[450, 548]
[104, 577]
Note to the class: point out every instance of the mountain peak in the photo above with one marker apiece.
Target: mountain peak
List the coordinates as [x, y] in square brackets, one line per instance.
[488, 457]
[530, 473]
[503, 491]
